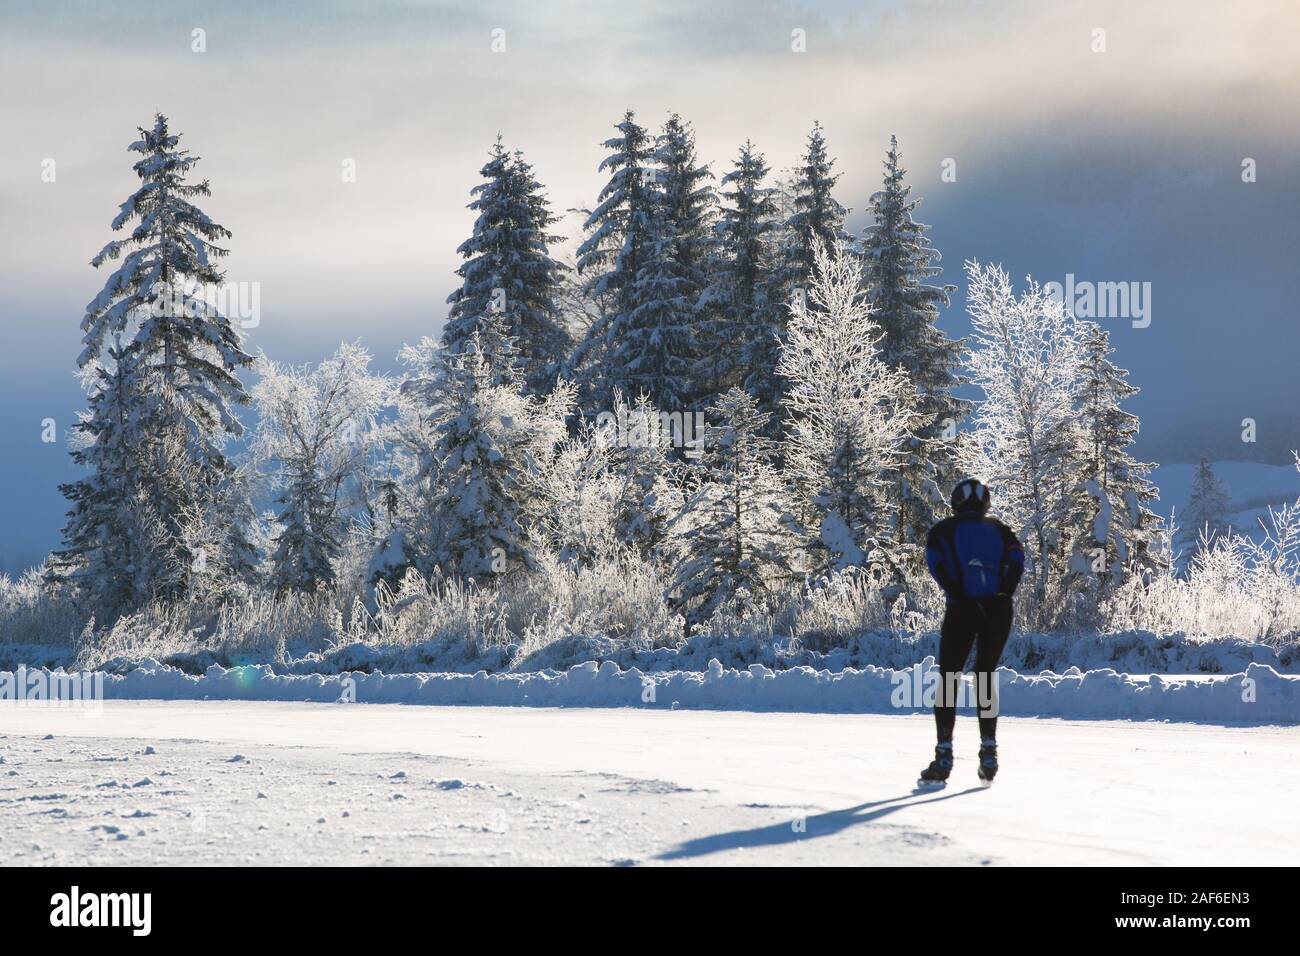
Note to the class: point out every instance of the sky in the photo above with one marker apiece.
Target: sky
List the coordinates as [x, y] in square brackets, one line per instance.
[1103, 140]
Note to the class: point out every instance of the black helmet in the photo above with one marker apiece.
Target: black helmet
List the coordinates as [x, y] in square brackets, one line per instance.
[971, 494]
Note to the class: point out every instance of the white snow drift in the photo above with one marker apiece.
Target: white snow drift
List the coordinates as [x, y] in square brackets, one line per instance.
[1259, 695]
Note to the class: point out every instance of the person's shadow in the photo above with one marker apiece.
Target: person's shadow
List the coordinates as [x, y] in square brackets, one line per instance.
[819, 825]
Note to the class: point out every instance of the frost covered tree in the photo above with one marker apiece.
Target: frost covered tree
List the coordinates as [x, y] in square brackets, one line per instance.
[610, 260]
[317, 437]
[655, 349]
[850, 413]
[687, 213]
[746, 318]
[816, 218]
[1118, 533]
[734, 532]
[647, 486]
[1206, 517]
[470, 446]
[107, 553]
[179, 355]
[508, 270]
[898, 263]
[610, 489]
[1025, 356]
[573, 504]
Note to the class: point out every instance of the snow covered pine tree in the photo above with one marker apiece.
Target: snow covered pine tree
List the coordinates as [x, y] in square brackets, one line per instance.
[173, 388]
[816, 219]
[1116, 533]
[898, 260]
[508, 270]
[608, 359]
[746, 321]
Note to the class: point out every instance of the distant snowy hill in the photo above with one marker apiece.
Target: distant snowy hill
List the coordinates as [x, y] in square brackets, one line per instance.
[1252, 488]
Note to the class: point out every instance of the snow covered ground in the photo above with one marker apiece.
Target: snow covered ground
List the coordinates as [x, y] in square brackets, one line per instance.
[240, 782]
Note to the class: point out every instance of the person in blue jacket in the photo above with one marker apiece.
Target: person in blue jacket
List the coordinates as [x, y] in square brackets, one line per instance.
[978, 561]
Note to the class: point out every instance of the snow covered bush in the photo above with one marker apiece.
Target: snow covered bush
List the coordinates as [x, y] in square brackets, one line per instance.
[317, 440]
[470, 441]
[1233, 586]
[32, 612]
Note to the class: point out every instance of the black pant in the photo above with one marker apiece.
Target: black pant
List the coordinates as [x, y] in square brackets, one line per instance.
[984, 622]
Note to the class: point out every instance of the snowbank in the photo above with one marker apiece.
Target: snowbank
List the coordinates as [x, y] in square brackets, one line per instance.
[1130, 652]
[1260, 695]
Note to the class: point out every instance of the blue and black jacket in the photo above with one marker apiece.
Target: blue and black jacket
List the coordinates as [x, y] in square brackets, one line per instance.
[972, 556]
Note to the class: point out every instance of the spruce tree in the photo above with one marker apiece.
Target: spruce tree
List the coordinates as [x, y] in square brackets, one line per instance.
[687, 211]
[1124, 523]
[104, 554]
[1110, 529]
[508, 270]
[747, 320]
[816, 219]
[898, 261]
[610, 261]
[647, 257]
[1206, 517]
[181, 355]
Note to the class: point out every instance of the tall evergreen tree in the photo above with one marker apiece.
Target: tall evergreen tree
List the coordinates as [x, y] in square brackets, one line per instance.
[508, 270]
[657, 348]
[817, 218]
[646, 343]
[897, 262]
[1112, 529]
[620, 234]
[180, 355]
[687, 198]
[746, 320]
[1123, 490]
[688, 210]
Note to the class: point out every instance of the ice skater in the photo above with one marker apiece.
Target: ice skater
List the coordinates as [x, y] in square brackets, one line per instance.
[978, 561]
